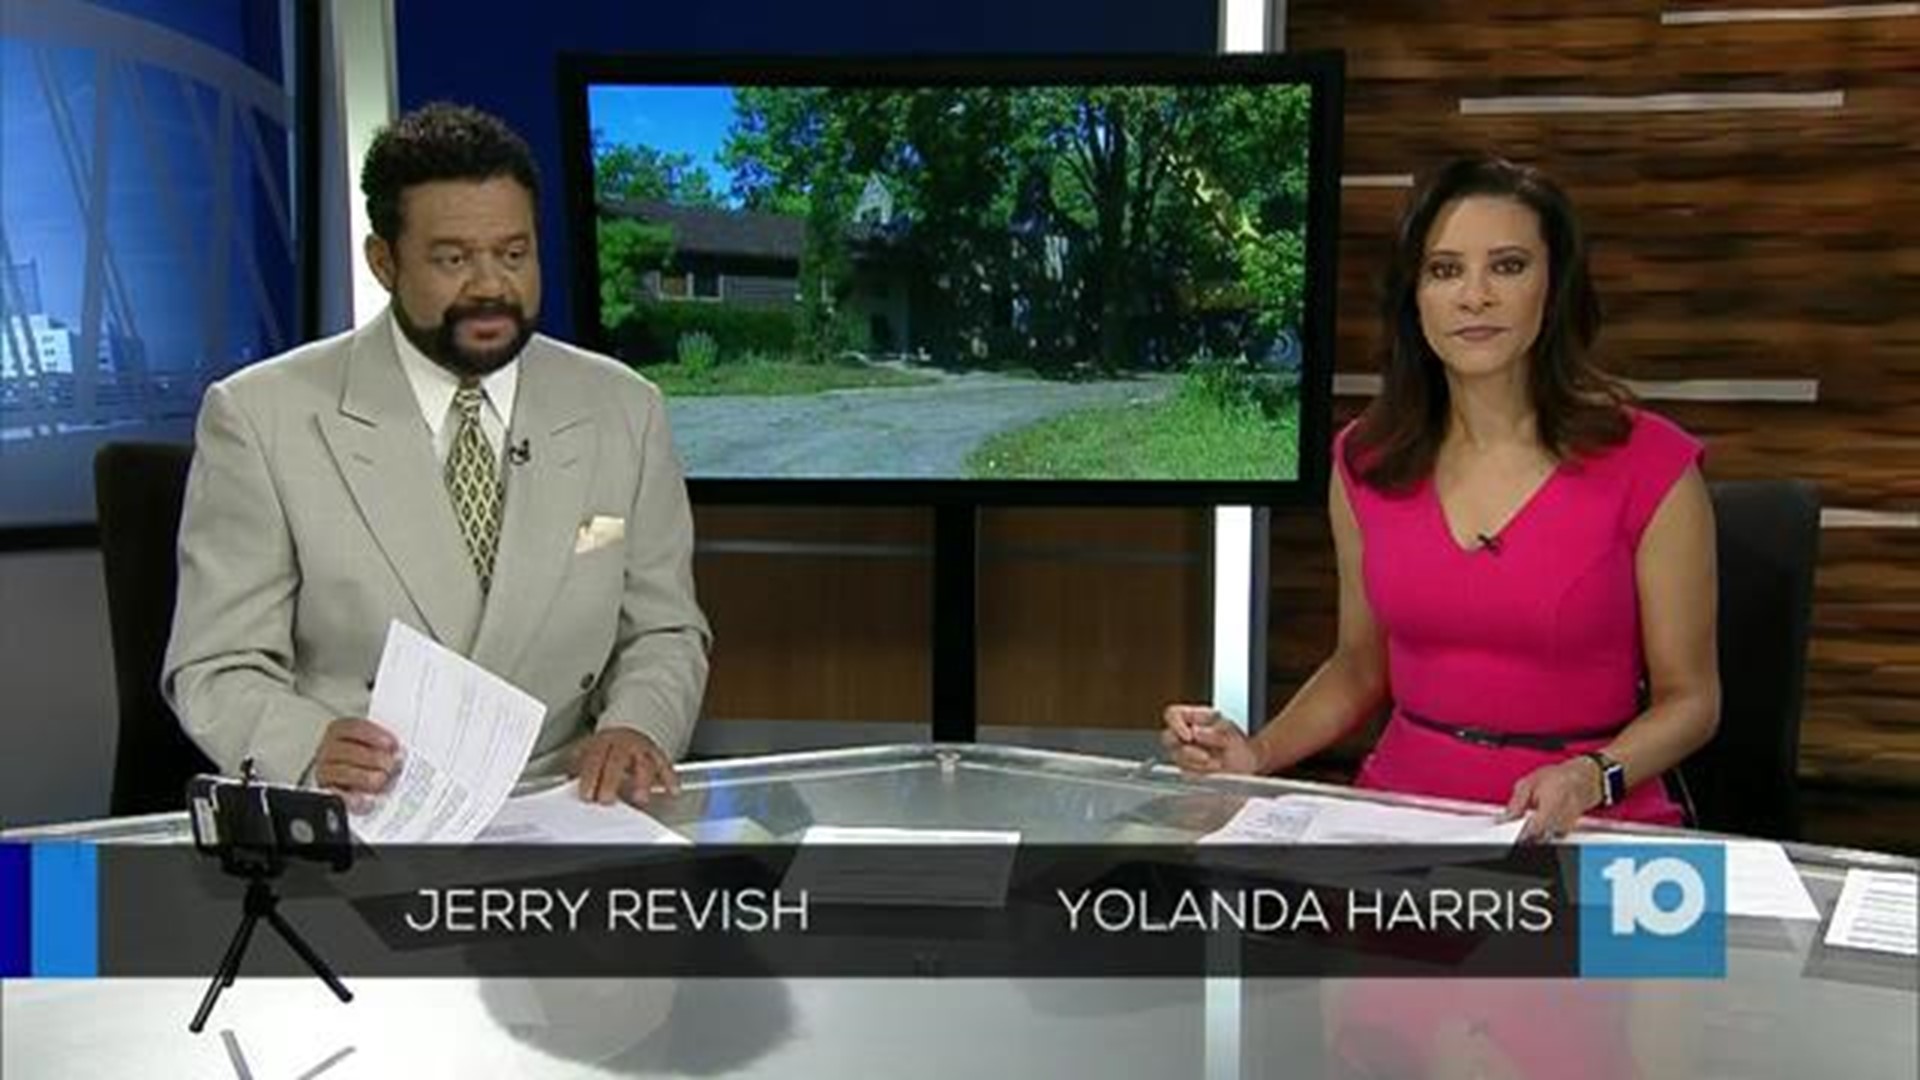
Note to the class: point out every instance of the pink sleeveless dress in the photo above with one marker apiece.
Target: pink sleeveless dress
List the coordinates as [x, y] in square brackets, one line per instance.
[1538, 634]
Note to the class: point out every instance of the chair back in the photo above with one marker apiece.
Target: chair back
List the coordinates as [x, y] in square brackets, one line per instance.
[139, 488]
[1747, 779]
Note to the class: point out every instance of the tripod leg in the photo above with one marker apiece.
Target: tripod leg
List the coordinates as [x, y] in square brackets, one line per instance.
[244, 939]
[299, 945]
[223, 977]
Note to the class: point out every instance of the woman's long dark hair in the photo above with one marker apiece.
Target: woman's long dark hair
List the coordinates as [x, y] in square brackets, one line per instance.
[1578, 408]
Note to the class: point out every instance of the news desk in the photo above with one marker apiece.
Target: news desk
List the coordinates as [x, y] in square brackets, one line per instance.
[1789, 1007]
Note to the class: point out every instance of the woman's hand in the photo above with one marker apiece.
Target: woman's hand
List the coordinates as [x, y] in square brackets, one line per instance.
[1200, 740]
[1554, 797]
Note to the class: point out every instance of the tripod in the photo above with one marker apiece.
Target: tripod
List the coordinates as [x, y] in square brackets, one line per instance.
[261, 903]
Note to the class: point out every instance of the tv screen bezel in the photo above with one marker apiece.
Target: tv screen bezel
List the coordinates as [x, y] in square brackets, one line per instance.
[1323, 71]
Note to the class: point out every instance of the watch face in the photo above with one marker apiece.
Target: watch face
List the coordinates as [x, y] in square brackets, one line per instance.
[1616, 778]
[1613, 778]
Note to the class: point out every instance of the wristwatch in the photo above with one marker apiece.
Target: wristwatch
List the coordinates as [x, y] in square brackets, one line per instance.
[1613, 778]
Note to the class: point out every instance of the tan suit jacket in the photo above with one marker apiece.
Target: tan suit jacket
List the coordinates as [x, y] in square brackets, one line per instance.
[316, 512]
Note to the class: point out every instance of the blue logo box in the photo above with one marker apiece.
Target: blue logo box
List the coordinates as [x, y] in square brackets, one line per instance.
[1653, 911]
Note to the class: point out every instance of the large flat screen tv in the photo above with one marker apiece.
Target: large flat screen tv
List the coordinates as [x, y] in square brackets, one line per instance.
[1059, 280]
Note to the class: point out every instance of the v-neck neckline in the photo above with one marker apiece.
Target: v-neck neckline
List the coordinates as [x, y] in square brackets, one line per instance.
[1520, 513]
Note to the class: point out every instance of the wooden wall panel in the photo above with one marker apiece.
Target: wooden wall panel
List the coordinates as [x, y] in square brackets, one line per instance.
[1087, 618]
[818, 614]
[724, 525]
[1862, 723]
[1093, 618]
[1729, 244]
[1860, 457]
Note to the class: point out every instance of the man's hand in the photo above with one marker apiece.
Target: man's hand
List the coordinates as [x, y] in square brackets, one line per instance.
[622, 763]
[357, 758]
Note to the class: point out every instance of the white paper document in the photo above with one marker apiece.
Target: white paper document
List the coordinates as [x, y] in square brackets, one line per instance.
[831, 870]
[1365, 823]
[1312, 819]
[559, 815]
[1877, 911]
[465, 734]
[1761, 880]
[1268, 821]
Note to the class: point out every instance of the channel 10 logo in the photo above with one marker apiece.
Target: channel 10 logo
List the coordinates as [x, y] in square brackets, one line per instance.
[1653, 911]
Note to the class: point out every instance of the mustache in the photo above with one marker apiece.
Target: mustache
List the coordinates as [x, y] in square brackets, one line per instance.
[484, 309]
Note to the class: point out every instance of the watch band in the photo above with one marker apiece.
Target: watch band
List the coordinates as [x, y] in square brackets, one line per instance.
[1613, 778]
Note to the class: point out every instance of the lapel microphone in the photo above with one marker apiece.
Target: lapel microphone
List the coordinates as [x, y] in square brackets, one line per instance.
[519, 453]
[1489, 543]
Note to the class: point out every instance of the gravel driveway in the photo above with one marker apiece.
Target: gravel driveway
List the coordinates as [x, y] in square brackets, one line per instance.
[883, 432]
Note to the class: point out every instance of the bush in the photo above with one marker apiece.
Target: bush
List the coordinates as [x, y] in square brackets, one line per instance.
[698, 352]
[1235, 383]
[653, 332]
[629, 249]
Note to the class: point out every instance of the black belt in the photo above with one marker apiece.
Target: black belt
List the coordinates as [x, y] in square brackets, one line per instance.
[1501, 739]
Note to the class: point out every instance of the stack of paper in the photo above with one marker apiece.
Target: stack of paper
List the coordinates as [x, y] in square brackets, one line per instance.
[831, 869]
[1314, 819]
[1877, 911]
[559, 815]
[465, 733]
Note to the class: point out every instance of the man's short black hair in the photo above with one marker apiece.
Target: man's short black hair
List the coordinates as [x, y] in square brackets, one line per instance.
[441, 141]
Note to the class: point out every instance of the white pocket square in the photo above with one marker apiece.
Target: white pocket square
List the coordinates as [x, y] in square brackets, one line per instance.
[598, 533]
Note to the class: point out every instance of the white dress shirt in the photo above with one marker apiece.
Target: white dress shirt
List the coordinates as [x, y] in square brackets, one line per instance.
[434, 386]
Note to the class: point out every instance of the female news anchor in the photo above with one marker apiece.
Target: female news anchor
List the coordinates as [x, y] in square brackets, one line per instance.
[1526, 559]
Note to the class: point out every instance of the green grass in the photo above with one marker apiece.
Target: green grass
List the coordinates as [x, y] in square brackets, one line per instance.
[771, 378]
[1187, 435]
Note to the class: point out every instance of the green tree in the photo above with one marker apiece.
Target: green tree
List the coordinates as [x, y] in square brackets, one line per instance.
[781, 143]
[825, 329]
[1114, 151]
[1097, 224]
[1186, 204]
[1249, 172]
[634, 172]
[628, 250]
[948, 159]
[789, 152]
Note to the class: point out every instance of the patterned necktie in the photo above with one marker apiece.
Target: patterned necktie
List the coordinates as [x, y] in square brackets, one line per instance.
[473, 479]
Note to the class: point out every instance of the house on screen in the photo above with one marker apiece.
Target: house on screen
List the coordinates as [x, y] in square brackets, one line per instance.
[752, 259]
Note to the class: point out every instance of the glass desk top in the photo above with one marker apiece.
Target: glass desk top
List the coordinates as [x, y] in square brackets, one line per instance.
[1789, 1007]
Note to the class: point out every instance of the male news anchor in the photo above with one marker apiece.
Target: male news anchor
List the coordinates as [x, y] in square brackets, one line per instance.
[513, 497]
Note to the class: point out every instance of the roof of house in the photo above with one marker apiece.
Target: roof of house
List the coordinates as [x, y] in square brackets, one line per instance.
[712, 231]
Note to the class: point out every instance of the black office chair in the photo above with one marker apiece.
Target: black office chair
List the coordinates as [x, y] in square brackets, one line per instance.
[138, 489]
[1747, 779]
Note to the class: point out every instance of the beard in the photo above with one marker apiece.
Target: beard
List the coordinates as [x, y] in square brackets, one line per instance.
[441, 345]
